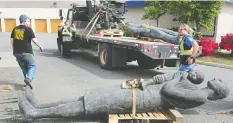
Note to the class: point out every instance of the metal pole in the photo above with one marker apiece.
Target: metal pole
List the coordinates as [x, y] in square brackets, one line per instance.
[90, 22]
[92, 26]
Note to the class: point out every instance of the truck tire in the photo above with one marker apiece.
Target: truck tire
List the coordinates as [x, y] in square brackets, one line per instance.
[64, 49]
[58, 45]
[105, 56]
[148, 63]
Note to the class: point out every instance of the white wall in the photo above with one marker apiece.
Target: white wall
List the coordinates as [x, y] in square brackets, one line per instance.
[225, 22]
[134, 15]
[39, 4]
[37, 13]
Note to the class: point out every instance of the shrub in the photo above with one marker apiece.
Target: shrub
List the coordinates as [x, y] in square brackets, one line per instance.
[208, 46]
[227, 42]
[197, 35]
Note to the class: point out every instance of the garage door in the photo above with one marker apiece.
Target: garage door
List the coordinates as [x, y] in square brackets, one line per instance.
[40, 25]
[54, 24]
[9, 24]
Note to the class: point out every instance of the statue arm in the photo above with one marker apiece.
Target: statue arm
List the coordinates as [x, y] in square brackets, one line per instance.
[158, 79]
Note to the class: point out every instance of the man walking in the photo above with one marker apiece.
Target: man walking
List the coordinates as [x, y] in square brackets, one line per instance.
[21, 38]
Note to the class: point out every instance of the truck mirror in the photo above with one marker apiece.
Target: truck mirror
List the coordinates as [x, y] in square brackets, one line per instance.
[60, 14]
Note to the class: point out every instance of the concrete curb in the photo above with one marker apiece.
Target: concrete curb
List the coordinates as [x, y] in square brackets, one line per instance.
[215, 65]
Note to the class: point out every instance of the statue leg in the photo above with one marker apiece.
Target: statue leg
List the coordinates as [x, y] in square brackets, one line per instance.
[133, 25]
[153, 32]
[72, 109]
[170, 32]
[156, 33]
[31, 98]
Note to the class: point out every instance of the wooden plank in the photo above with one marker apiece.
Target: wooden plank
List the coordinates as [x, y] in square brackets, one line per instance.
[113, 115]
[139, 115]
[164, 112]
[112, 120]
[160, 114]
[156, 115]
[127, 115]
[145, 115]
[122, 115]
[150, 114]
[176, 116]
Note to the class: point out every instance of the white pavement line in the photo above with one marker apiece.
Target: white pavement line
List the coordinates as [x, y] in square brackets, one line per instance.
[8, 60]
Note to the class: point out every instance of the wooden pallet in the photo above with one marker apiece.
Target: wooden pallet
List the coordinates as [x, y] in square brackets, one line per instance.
[111, 33]
[163, 116]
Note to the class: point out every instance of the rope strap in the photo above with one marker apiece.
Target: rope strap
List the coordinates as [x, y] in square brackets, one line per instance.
[134, 103]
[134, 84]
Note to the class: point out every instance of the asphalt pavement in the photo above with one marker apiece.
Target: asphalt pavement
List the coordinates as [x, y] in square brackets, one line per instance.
[58, 78]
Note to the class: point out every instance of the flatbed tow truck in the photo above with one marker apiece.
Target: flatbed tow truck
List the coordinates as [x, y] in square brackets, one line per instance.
[114, 51]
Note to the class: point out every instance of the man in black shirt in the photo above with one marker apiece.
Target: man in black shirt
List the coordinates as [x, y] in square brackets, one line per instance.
[21, 38]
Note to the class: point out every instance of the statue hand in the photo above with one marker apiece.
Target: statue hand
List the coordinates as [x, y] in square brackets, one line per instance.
[125, 85]
[134, 83]
[176, 75]
[158, 79]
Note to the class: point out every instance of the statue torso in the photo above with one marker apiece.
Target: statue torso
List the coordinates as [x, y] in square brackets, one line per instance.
[183, 94]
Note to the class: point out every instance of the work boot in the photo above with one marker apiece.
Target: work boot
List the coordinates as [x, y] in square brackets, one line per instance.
[28, 82]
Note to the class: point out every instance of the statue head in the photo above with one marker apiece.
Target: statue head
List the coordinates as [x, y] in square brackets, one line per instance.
[196, 77]
[219, 89]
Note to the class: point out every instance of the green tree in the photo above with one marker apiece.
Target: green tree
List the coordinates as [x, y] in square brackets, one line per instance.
[154, 10]
[200, 13]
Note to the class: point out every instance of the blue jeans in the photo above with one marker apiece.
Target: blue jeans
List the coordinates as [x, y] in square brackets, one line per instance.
[27, 64]
[187, 67]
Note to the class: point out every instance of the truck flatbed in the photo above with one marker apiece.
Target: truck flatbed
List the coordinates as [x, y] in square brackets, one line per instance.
[128, 41]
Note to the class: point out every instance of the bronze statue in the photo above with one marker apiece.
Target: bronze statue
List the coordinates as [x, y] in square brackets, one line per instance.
[167, 90]
[153, 32]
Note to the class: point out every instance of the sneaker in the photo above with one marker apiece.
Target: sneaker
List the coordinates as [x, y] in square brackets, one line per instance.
[28, 82]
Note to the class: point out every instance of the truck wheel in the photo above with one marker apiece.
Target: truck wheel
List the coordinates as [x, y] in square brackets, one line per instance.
[148, 63]
[105, 56]
[64, 49]
[58, 45]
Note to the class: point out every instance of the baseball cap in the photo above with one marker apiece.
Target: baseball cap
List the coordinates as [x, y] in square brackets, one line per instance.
[23, 18]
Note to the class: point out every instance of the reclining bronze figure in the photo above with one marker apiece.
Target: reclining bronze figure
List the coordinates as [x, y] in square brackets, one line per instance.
[166, 90]
[153, 32]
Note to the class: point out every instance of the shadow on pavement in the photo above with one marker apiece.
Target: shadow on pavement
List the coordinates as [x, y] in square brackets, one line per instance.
[215, 106]
[90, 63]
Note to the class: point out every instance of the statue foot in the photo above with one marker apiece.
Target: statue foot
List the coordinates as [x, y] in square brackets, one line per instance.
[27, 110]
